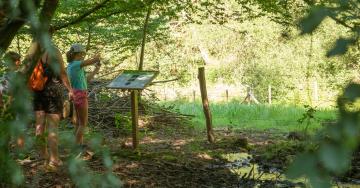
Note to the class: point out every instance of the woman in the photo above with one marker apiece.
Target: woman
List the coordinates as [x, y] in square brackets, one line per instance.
[77, 75]
[48, 105]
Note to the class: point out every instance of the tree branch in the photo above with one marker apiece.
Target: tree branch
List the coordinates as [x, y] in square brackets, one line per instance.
[164, 81]
[8, 32]
[83, 16]
[341, 22]
[332, 16]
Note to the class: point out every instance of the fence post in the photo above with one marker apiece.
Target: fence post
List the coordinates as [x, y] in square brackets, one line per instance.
[205, 103]
[269, 91]
[194, 95]
[316, 92]
[227, 95]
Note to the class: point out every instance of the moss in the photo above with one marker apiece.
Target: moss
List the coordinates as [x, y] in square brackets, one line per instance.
[168, 157]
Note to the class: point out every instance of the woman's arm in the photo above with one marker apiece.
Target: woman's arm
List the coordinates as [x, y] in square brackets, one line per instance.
[92, 74]
[63, 76]
[91, 61]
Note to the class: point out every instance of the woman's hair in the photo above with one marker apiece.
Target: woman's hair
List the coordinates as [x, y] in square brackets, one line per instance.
[12, 56]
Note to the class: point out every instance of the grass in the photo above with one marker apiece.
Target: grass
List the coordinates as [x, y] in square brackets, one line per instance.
[258, 117]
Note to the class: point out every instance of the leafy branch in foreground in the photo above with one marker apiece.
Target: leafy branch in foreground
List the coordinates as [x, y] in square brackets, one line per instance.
[336, 144]
[344, 13]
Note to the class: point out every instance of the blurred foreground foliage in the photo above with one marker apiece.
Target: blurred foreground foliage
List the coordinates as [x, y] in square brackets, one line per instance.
[337, 143]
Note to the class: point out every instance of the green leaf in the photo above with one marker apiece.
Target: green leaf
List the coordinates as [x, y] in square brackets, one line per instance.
[352, 92]
[341, 47]
[313, 20]
[319, 180]
[17, 176]
[334, 158]
[107, 161]
[304, 164]
[95, 142]
[113, 180]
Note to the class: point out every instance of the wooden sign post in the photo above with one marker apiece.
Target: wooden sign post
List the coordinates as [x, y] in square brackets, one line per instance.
[134, 81]
[135, 118]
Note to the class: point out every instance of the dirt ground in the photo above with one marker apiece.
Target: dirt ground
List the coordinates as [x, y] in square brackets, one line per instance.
[180, 156]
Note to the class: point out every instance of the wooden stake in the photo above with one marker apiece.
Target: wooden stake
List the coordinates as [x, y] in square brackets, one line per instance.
[205, 103]
[316, 91]
[194, 94]
[227, 95]
[135, 116]
[269, 89]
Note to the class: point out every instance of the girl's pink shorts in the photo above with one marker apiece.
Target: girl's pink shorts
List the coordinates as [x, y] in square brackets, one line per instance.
[80, 98]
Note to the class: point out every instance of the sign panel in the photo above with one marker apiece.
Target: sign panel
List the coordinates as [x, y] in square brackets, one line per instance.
[132, 79]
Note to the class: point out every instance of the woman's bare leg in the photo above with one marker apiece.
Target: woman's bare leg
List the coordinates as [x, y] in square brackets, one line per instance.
[40, 133]
[53, 123]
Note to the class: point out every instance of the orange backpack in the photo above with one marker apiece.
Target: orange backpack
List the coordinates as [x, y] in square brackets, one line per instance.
[38, 79]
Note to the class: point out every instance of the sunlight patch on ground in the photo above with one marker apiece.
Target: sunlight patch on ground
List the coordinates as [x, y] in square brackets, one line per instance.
[242, 165]
[151, 140]
[132, 165]
[177, 144]
[204, 156]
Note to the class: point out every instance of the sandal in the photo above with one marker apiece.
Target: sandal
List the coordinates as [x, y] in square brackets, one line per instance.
[85, 155]
[54, 165]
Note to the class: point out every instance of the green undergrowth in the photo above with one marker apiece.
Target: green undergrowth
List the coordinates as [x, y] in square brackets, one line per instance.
[281, 153]
[234, 115]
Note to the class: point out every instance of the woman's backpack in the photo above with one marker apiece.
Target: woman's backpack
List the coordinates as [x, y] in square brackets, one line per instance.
[38, 77]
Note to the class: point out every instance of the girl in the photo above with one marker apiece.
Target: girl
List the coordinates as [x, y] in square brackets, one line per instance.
[75, 57]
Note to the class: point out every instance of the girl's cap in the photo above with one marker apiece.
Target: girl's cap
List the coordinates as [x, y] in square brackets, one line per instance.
[78, 48]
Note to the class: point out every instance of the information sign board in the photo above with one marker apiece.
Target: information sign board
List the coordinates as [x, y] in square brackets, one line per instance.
[133, 80]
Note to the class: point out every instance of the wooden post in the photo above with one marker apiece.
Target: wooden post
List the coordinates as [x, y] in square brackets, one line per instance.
[194, 95]
[248, 95]
[316, 92]
[205, 103]
[135, 116]
[269, 90]
[227, 95]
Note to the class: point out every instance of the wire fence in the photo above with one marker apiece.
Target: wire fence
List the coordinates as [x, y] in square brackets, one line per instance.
[226, 93]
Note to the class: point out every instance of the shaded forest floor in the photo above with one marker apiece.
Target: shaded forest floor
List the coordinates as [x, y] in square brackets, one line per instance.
[179, 156]
[172, 153]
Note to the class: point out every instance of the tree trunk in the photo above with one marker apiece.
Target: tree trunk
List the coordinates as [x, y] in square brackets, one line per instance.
[8, 32]
[88, 39]
[146, 23]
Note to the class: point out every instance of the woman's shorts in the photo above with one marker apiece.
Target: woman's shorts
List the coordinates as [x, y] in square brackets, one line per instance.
[80, 98]
[50, 100]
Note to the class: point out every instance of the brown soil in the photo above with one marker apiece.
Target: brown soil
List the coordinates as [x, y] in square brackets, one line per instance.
[171, 154]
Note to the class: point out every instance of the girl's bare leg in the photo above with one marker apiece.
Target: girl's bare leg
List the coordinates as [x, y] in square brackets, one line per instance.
[82, 118]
